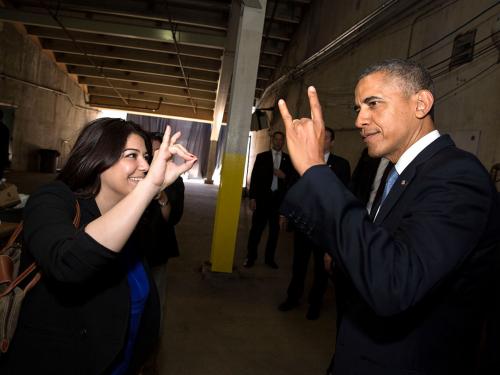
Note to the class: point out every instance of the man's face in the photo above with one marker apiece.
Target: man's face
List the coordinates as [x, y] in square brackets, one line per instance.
[327, 143]
[386, 116]
[277, 142]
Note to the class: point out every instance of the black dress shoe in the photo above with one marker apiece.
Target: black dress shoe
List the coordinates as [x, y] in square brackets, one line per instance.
[248, 263]
[272, 264]
[312, 312]
[287, 305]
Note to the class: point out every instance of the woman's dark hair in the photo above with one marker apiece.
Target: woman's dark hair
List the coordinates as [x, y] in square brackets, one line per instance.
[99, 146]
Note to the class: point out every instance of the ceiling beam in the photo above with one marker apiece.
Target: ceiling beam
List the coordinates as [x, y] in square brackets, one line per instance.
[130, 66]
[209, 18]
[146, 45]
[173, 111]
[152, 79]
[149, 88]
[129, 54]
[110, 28]
[152, 98]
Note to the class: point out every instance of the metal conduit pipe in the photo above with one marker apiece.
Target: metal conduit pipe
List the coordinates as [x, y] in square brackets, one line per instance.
[366, 25]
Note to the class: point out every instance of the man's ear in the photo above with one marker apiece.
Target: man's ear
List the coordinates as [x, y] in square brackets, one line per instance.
[425, 101]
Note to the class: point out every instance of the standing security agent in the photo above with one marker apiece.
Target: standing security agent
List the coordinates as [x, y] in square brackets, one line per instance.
[268, 185]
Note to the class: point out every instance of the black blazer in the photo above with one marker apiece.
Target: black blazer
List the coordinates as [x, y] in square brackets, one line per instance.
[419, 276]
[363, 175]
[75, 320]
[341, 168]
[157, 236]
[262, 176]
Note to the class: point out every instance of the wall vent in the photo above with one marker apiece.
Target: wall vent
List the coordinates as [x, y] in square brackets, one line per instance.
[463, 49]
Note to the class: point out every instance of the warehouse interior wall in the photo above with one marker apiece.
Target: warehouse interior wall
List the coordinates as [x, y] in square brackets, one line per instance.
[49, 106]
[466, 96]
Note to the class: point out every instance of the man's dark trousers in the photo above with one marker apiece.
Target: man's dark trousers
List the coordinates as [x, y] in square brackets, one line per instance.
[303, 247]
[267, 210]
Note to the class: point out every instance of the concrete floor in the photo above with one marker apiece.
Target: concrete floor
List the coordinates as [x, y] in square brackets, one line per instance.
[217, 324]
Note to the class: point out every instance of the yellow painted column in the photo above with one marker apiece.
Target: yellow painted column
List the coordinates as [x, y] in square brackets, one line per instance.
[227, 212]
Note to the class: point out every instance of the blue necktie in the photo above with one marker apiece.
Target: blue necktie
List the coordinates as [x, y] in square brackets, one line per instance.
[391, 179]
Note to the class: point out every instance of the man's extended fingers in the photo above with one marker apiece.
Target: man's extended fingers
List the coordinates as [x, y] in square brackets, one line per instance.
[285, 114]
[316, 113]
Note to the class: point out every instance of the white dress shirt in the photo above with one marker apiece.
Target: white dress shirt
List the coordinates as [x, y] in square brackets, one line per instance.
[326, 155]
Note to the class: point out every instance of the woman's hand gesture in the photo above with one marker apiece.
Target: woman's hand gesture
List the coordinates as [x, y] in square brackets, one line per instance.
[163, 171]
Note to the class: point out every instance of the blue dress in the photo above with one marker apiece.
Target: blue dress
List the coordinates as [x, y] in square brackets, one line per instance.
[138, 283]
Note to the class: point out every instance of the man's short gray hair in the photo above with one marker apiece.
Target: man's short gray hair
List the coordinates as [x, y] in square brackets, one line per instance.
[412, 76]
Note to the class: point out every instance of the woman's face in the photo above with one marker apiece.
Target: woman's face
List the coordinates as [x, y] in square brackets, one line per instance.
[123, 176]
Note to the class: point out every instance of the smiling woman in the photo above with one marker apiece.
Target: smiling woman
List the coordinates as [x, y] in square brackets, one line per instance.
[95, 311]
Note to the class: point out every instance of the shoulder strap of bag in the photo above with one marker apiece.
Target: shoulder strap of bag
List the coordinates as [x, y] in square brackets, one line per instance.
[14, 235]
[19, 228]
[33, 266]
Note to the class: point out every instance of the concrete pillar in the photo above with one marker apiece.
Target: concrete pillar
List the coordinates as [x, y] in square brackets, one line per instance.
[240, 111]
[226, 71]
[212, 155]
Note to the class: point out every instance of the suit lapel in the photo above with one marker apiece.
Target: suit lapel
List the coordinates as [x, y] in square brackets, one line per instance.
[330, 160]
[397, 190]
[408, 175]
[283, 158]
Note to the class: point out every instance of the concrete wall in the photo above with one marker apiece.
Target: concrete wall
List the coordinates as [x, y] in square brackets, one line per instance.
[466, 97]
[32, 84]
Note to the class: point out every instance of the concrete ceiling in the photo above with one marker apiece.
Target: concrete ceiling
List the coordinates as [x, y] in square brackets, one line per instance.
[153, 56]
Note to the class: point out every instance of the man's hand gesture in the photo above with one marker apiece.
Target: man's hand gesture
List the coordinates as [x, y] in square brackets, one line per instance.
[305, 136]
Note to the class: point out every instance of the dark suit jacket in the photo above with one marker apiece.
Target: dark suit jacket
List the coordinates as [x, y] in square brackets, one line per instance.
[363, 175]
[75, 320]
[341, 168]
[157, 236]
[262, 176]
[418, 276]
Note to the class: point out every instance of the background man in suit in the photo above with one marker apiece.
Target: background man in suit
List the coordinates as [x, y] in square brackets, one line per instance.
[419, 274]
[304, 247]
[337, 164]
[268, 184]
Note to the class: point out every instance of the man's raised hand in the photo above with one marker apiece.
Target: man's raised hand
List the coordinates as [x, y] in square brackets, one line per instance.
[305, 136]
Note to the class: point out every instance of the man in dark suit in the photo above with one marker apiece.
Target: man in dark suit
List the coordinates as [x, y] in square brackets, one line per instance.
[337, 164]
[418, 276]
[268, 184]
[304, 247]
[363, 175]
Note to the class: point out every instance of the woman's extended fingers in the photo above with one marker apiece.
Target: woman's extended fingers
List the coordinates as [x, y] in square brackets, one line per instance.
[180, 150]
[166, 136]
[174, 138]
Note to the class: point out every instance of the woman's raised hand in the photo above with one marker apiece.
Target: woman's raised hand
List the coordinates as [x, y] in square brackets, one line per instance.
[163, 171]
